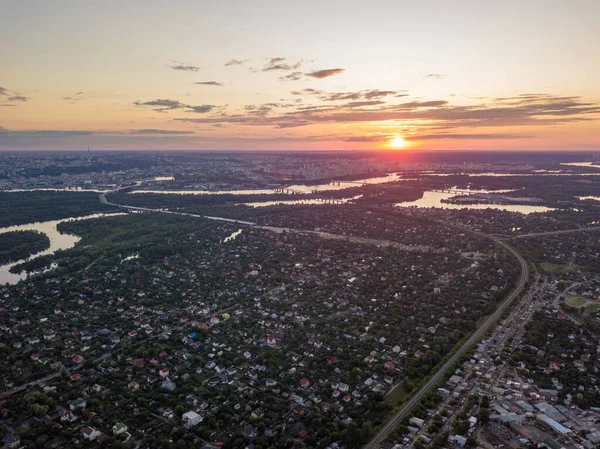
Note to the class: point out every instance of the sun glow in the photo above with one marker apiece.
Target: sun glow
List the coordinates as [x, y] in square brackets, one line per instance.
[398, 142]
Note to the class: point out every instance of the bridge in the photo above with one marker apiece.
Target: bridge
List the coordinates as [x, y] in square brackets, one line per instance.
[454, 191]
[290, 191]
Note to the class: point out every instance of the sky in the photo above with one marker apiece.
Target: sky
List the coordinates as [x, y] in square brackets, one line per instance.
[311, 75]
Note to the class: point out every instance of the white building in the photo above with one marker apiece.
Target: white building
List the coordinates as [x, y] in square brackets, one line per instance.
[190, 419]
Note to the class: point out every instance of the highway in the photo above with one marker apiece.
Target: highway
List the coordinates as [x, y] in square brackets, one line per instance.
[325, 235]
[103, 200]
[478, 335]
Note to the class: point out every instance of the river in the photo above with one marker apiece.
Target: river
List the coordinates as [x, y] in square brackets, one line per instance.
[58, 242]
[434, 199]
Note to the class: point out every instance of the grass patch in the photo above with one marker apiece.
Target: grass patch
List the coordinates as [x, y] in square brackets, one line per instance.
[399, 393]
[553, 268]
[577, 302]
[592, 308]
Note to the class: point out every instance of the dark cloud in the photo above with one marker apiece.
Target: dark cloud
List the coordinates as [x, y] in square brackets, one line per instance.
[492, 136]
[374, 93]
[359, 95]
[341, 96]
[235, 62]
[278, 63]
[4, 91]
[435, 76]
[436, 114]
[209, 83]
[359, 104]
[163, 104]
[420, 104]
[326, 73]
[308, 91]
[202, 109]
[158, 132]
[75, 97]
[45, 133]
[166, 105]
[185, 68]
[262, 109]
[294, 76]
[18, 98]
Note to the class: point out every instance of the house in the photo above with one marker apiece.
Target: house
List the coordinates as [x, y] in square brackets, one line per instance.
[90, 433]
[163, 373]
[250, 431]
[271, 341]
[119, 428]
[190, 419]
[67, 415]
[168, 385]
[305, 383]
[78, 403]
[12, 441]
[49, 334]
[138, 362]
[191, 400]
[389, 366]
[133, 386]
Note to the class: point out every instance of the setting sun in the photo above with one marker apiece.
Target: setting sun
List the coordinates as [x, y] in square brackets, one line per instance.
[398, 142]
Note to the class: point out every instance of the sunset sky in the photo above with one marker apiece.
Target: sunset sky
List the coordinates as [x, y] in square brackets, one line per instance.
[327, 74]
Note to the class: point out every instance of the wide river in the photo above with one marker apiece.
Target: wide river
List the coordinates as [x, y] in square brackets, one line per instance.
[58, 241]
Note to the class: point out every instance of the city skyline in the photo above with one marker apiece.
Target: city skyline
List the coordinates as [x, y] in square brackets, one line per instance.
[317, 76]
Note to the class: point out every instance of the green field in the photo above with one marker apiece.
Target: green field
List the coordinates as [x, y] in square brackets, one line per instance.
[576, 302]
[552, 268]
[592, 308]
[398, 394]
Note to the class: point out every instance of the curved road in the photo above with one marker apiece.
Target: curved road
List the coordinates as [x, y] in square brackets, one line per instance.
[478, 335]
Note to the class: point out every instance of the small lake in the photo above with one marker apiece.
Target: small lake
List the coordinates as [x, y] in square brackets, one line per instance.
[58, 242]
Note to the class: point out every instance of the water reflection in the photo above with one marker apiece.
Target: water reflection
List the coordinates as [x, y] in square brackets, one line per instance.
[434, 199]
[304, 202]
[58, 242]
[580, 164]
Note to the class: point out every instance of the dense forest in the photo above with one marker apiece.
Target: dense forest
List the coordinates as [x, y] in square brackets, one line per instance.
[17, 245]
